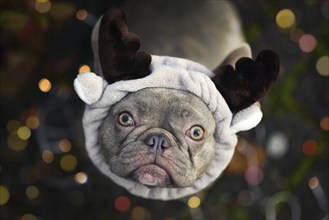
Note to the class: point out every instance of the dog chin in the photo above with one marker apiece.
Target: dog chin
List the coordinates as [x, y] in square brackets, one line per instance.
[151, 175]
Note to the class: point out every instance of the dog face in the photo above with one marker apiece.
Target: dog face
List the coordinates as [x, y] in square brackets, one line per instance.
[159, 137]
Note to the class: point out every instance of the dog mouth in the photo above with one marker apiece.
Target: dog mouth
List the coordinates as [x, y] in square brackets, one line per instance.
[151, 175]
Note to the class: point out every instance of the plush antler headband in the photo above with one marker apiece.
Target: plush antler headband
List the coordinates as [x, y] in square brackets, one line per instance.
[230, 92]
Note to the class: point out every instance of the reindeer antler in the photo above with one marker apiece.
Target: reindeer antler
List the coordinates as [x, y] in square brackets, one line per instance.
[249, 81]
[118, 48]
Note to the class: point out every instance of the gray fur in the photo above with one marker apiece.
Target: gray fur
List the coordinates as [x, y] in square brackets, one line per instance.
[171, 114]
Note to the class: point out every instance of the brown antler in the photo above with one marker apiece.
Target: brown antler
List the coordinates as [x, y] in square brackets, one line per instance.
[249, 81]
[118, 48]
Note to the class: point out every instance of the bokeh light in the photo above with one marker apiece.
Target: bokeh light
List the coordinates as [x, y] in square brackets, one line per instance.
[310, 147]
[32, 122]
[42, 6]
[84, 69]
[47, 156]
[80, 177]
[32, 192]
[65, 145]
[4, 195]
[324, 123]
[24, 133]
[122, 203]
[68, 162]
[194, 202]
[15, 143]
[313, 183]
[44, 85]
[254, 175]
[285, 18]
[138, 213]
[307, 43]
[28, 216]
[277, 145]
[322, 65]
[81, 14]
[295, 34]
[13, 125]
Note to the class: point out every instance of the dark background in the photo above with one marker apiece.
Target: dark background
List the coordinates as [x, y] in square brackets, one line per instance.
[286, 155]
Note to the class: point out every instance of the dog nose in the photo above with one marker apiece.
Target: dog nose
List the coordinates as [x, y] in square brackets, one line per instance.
[157, 142]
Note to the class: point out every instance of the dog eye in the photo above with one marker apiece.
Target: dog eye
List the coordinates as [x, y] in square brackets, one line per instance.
[196, 133]
[125, 119]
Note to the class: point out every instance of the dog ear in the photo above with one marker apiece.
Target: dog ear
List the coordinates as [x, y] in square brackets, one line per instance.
[248, 81]
[118, 49]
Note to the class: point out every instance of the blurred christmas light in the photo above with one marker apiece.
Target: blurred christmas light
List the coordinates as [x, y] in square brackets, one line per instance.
[44, 85]
[245, 198]
[194, 202]
[32, 122]
[4, 195]
[322, 65]
[254, 175]
[15, 143]
[313, 183]
[28, 216]
[76, 198]
[13, 125]
[296, 34]
[80, 177]
[324, 123]
[122, 203]
[65, 145]
[81, 14]
[68, 162]
[277, 145]
[307, 43]
[29, 174]
[24, 133]
[84, 69]
[138, 213]
[42, 6]
[32, 192]
[285, 18]
[310, 147]
[47, 156]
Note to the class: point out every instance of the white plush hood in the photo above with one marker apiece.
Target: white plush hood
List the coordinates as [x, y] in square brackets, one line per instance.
[171, 73]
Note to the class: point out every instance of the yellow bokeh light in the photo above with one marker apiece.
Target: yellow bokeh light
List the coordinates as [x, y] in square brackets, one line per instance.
[32, 122]
[194, 202]
[80, 177]
[81, 14]
[322, 66]
[24, 133]
[12, 125]
[15, 143]
[313, 183]
[28, 216]
[47, 156]
[138, 213]
[42, 6]
[84, 69]
[44, 85]
[68, 162]
[4, 195]
[65, 145]
[285, 18]
[32, 192]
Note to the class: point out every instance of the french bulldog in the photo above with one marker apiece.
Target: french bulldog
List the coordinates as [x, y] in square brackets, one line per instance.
[165, 127]
[159, 137]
